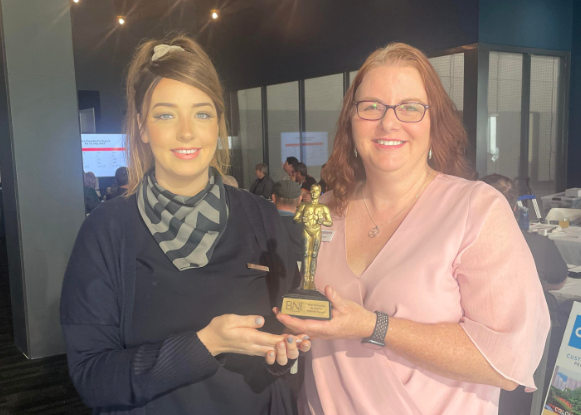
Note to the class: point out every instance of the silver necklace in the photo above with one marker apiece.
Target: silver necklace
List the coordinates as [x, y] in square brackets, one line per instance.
[373, 232]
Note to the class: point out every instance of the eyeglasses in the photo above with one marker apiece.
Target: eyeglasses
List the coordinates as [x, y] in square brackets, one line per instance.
[405, 112]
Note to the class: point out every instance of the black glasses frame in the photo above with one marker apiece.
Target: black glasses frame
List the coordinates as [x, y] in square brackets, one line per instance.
[387, 107]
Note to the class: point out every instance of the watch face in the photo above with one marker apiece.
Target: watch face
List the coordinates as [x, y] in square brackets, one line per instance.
[372, 344]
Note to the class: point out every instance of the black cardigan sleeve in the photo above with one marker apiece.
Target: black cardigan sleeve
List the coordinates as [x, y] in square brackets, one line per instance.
[103, 370]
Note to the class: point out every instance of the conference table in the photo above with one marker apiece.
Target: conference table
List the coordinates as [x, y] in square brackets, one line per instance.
[568, 243]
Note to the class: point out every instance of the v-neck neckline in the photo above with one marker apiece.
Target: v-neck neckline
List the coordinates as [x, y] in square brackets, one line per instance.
[397, 230]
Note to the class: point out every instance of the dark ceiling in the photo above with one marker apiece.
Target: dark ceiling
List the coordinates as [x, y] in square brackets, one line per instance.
[100, 42]
[258, 42]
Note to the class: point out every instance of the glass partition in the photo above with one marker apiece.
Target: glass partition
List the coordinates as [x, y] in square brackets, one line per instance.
[504, 113]
[450, 68]
[323, 102]
[543, 124]
[352, 76]
[283, 126]
[250, 136]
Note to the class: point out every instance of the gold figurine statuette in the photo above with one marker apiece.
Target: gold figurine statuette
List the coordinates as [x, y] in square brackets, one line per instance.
[306, 302]
[312, 215]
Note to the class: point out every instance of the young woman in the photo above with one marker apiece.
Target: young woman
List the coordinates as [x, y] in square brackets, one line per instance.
[166, 301]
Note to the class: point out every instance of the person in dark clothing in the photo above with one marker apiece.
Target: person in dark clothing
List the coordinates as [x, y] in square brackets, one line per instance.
[305, 181]
[290, 167]
[263, 184]
[89, 188]
[286, 197]
[122, 181]
[166, 301]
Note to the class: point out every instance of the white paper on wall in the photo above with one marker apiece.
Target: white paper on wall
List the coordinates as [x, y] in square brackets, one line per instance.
[314, 144]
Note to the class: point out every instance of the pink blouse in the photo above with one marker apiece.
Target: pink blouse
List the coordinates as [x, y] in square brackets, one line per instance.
[457, 257]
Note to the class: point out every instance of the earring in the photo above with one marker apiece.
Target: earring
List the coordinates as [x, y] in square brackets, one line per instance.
[355, 152]
[430, 154]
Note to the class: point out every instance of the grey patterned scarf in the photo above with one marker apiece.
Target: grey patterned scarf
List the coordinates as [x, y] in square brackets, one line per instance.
[187, 229]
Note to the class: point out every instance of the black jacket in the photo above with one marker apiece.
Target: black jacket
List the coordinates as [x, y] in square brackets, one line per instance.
[130, 318]
[263, 187]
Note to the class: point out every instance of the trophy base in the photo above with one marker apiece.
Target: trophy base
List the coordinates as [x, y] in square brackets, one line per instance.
[306, 304]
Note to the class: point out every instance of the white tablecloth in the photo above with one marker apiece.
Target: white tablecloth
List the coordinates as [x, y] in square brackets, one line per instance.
[570, 291]
[569, 245]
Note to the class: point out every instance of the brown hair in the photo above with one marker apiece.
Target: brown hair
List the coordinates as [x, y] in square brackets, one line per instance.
[261, 167]
[89, 180]
[504, 185]
[447, 134]
[192, 67]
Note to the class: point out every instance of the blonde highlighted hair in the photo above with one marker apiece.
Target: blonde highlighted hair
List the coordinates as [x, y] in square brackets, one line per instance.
[192, 67]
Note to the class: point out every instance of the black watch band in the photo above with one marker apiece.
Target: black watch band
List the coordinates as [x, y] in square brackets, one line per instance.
[377, 339]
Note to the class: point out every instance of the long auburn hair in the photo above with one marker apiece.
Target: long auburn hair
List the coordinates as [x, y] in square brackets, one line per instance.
[447, 135]
[192, 67]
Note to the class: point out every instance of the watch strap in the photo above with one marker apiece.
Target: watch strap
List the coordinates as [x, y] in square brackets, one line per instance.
[381, 325]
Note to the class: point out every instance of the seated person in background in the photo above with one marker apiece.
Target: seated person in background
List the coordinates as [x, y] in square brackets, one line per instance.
[263, 184]
[305, 181]
[290, 167]
[91, 196]
[230, 181]
[550, 265]
[122, 181]
[286, 197]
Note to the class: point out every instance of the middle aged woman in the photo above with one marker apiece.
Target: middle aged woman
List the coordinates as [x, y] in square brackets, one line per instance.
[166, 302]
[437, 303]
[263, 185]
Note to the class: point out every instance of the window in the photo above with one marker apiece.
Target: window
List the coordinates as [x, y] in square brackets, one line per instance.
[450, 69]
[283, 126]
[524, 131]
[543, 125]
[248, 153]
[352, 76]
[504, 113]
[323, 103]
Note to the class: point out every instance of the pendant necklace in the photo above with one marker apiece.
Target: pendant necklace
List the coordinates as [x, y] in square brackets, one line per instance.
[373, 232]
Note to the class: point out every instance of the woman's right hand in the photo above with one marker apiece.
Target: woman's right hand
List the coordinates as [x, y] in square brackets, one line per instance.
[231, 333]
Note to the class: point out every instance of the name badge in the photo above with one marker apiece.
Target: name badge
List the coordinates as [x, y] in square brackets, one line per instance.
[327, 235]
[258, 267]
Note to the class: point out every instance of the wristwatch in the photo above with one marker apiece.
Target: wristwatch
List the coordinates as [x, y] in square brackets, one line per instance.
[377, 339]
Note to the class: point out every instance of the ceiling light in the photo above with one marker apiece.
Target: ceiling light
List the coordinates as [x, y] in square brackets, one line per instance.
[76, 1]
[121, 19]
[214, 14]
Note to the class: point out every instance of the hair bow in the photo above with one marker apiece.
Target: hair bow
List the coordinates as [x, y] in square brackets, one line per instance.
[161, 50]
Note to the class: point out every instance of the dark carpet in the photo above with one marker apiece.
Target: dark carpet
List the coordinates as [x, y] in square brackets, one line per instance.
[40, 386]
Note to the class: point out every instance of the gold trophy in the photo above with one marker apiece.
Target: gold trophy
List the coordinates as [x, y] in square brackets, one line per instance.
[306, 302]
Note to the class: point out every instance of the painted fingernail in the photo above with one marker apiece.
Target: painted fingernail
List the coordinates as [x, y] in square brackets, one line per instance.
[298, 341]
[271, 354]
[289, 339]
[259, 321]
[306, 338]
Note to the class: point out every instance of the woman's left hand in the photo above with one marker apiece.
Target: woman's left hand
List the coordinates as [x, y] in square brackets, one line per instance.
[350, 320]
[289, 349]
